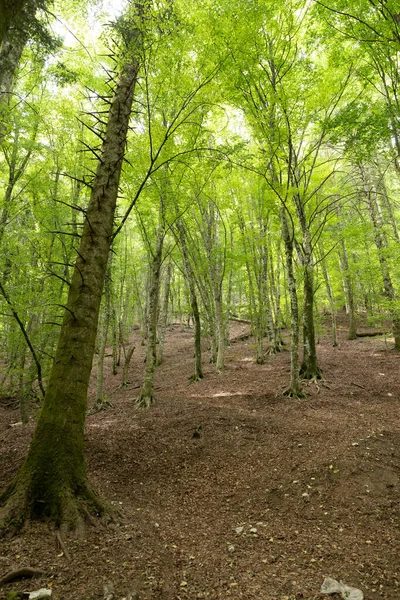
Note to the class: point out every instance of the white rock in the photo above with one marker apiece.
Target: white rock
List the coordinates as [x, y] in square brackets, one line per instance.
[239, 529]
[331, 586]
[39, 594]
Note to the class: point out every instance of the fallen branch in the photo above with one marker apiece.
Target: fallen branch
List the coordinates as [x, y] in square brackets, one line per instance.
[61, 545]
[357, 385]
[20, 574]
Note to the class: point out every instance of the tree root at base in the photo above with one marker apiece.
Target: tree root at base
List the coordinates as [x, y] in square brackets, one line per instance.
[195, 377]
[289, 393]
[308, 374]
[69, 510]
[144, 401]
[99, 405]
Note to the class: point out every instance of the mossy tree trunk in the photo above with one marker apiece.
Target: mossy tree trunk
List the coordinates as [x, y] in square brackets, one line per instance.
[294, 389]
[53, 481]
[9, 13]
[309, 367]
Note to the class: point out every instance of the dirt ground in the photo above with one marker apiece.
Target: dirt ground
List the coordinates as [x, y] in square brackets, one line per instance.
[230, 490]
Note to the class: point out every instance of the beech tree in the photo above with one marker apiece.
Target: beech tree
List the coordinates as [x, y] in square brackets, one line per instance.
[53, 480]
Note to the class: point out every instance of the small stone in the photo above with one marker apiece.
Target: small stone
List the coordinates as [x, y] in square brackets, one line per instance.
[253, 530]
[355, 444]
[239, 530]
[183, 584]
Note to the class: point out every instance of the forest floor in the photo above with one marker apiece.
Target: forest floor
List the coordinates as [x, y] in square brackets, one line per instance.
[274, 495]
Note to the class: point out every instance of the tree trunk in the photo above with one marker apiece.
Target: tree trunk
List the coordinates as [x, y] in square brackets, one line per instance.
[164, 313]
[348, 286]
[53, 481]
[295, 387]
[146, 396]
[198, 368]
[381, 245]
[329, 293]
[309, 368]
[9, 13]
[127, 362]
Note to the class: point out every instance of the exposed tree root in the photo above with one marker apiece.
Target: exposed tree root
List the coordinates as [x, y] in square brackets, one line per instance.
[124, 384]
[99, 405]
[24, 572]
[195, 377]
[69, 509]
[274, 349]
[314, 379]
[310, 373]
[144, 401]
[295, 393]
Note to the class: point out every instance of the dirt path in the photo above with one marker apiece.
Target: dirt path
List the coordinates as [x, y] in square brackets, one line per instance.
[231, 490]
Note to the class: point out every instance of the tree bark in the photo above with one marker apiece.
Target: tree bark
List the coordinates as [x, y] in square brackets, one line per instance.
[164, 312]
[329, 293]
[381, 245]
[146, 396]
[294, 389]
[190, 278]
[348, 287]
[53, 481]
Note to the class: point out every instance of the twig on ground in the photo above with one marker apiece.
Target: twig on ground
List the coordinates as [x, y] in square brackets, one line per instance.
[357, 385]
[61, 545]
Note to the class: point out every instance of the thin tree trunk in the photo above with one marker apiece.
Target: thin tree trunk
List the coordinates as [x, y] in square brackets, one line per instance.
[294, 389]
[348, 286]
[329, 293]
[146, 396]
[127, 362]
[164, 313]
[198, 368]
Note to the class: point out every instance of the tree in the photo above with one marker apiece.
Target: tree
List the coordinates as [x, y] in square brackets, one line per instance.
[52, 480]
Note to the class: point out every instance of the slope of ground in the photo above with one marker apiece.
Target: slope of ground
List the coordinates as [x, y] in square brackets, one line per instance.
[230, 490]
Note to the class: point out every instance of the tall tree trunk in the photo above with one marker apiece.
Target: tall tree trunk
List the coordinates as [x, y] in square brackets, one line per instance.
[349, 291]
[53, 481]
[294, 389]
[146, 396]
[309, 367]
[190, 278]
[9, 13]
[164, 313]
[329, 293]
[381, 245]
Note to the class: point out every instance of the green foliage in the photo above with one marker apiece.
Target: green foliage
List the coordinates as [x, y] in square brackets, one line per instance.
[240, 109]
